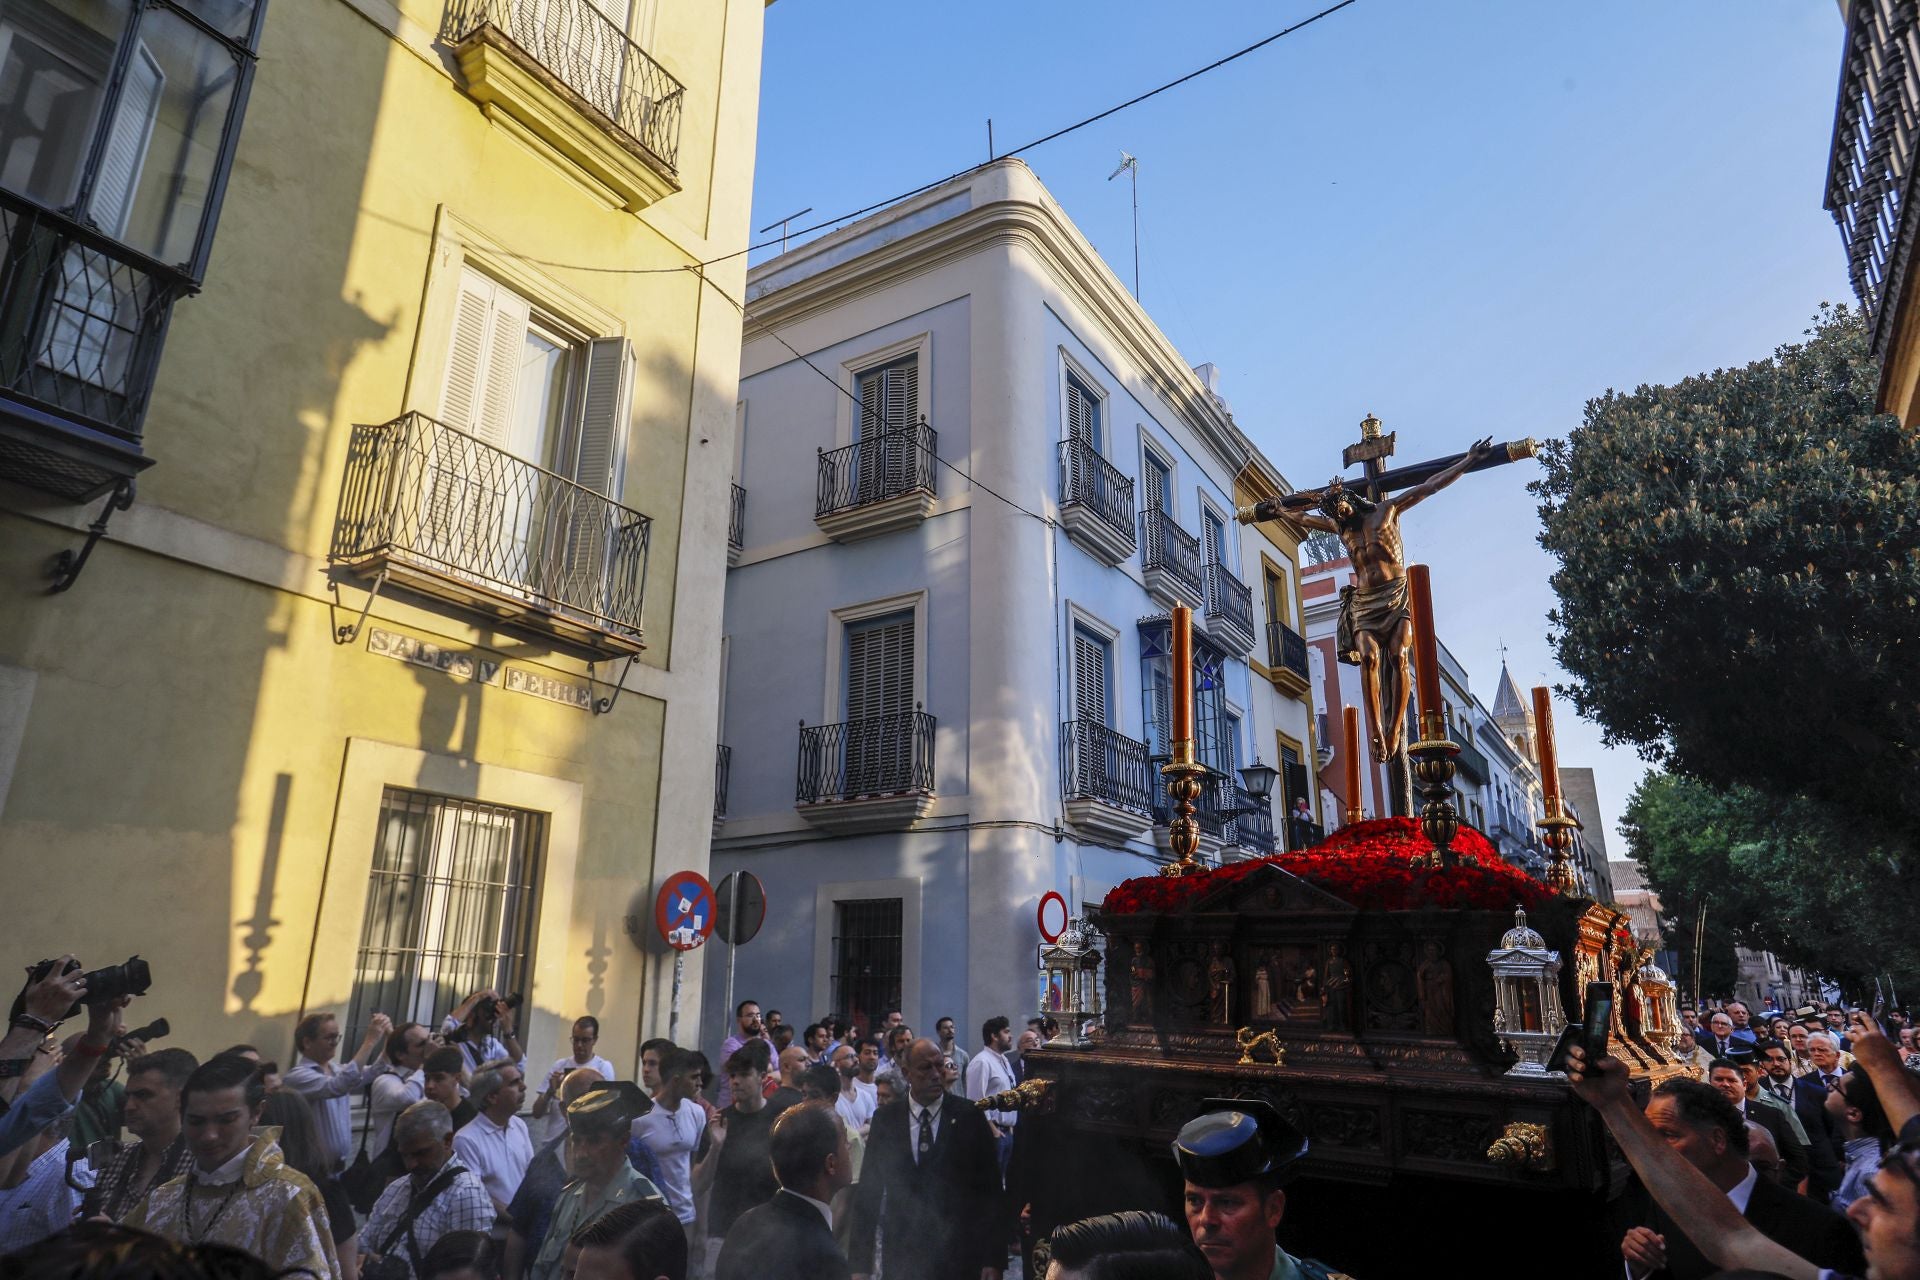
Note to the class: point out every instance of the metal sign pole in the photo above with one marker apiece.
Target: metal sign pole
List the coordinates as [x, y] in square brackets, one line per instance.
[673, 1010]
[733, 946]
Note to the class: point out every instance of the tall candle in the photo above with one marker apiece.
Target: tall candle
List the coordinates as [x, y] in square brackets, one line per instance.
[1426, 646]
[1543, 734]
[1350, 755]
[1182, 673]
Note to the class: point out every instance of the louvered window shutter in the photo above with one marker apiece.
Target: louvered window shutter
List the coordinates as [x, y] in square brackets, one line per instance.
[1216, 539]
[594, 531]
[1161, 714]
[467, 351]
[1083, 415]
[879, 694]
[1159, 488]
[1089, 678]
[126, 151]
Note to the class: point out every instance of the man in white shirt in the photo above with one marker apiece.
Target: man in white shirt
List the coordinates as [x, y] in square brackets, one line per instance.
[328, 1087]
[671, 1131]
[398, 1089]
[47, 1199]
[495, 1143]
[857, 1099]
[990, 1073]
[549, 1116]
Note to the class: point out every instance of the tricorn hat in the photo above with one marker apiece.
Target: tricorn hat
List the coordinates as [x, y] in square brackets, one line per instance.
[1235, 1140]
[608, 1105]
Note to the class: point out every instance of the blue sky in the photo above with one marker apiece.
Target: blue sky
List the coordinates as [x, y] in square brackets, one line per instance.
[1467, 219]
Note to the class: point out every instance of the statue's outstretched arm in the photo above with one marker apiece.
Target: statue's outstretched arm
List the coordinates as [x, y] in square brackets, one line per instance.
[1427, 488]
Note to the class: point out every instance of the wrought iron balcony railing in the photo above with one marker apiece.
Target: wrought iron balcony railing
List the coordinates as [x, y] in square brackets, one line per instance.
[737, 519]
[1252, 826]
[1471, 761]
[1089, 480]
[1165, 545]
[888, 465]
[1304, 835]
[1101, 763]
[722, 777]
[578, 45]
[459, 517]
[1208, 810]
[1287, 651]
[1876, 133]
[1229, 601]
[874, 756]
[81, 321]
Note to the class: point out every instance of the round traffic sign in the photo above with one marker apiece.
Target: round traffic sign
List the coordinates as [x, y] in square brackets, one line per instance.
[1053, 898]
[739, 922]
[683, 913]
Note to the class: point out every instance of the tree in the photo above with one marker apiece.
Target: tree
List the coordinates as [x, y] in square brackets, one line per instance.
[1776, 875]
[1739, 579]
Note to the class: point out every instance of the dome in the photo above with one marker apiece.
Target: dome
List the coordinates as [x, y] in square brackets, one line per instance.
[1520, 936]
[1651, 972]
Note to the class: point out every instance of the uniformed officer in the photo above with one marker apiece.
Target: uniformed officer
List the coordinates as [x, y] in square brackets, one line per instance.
[1234, 1157]
[598, 1124]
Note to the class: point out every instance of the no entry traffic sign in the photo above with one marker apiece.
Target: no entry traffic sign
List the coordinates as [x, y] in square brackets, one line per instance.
[1052, 906]
[683, 913]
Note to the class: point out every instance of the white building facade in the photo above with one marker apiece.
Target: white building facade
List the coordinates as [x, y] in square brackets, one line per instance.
[973, 479]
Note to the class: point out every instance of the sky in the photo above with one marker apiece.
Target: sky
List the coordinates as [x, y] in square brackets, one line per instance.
[1467, 219]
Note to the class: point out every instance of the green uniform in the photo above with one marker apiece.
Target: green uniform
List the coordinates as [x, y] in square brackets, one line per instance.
[1288, 1267]
[577, 1206]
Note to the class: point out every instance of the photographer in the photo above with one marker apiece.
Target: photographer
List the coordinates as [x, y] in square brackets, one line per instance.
[329, 1088]
[160, 1154]
[45, 1004]
[483, 1026]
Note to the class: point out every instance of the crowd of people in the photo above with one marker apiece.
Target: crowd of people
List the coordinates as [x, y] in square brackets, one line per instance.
[831, 1153]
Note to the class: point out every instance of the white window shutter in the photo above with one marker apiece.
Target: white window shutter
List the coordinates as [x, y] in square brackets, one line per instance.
[113, 187]
[604, 410]
[506, 340]
[1089, 678]
[880, 668]
[467, 352]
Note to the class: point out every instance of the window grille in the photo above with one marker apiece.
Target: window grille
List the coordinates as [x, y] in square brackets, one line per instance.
[866, 959]
[450, 908]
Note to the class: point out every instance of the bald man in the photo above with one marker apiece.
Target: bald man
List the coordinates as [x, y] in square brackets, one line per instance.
[931, 1181]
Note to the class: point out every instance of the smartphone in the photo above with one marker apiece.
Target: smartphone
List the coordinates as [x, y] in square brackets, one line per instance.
[1599, 1020]
[1570, 1035]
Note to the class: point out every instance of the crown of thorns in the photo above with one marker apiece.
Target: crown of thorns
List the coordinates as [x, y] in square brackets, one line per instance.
[1336, 492]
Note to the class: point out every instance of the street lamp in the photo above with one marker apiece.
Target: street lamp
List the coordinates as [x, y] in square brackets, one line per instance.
[1258, 778]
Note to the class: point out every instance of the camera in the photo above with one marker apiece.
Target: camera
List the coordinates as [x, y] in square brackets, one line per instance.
[155, 1030]
[103, 985]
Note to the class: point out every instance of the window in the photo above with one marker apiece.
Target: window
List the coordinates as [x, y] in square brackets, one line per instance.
[1276, 597]
[451, 907]
[879, 692]
[1226, 750]
[1159, 714]
[867, 948]
[1092, 688]
[888, 396]
[1159, 481]
[1083, 414]
[1215, 530]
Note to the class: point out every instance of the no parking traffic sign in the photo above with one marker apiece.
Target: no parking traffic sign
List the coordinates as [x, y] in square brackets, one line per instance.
[683, 913]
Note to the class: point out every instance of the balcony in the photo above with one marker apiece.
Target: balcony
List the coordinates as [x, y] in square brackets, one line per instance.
[81, 321]
[872, 774]
[1096, 502]
[1287, 662]
[1105, 781]
[1229, 609]
[1471, 762]
[877, 485]
[562, 76]
[722, 778]
[435, 510]
[1170, 561]
[736, 526]
[1304, 835]
[1251, 827]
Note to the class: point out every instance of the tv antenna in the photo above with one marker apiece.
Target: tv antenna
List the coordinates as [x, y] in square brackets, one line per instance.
[1130, 166]
[782, 224]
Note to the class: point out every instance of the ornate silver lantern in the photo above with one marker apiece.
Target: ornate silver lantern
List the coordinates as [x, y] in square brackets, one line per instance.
[1070, 983]
[1662, 1006]
[1526, 983]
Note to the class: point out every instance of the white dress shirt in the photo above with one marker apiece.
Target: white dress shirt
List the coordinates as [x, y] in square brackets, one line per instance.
[330, 1089]
[826, 1210]
[393, 1093]
[550, 1126]
[991, 1073]
[1743, 1191]
[498, 1153]
[672, 1137]
[914, 1112]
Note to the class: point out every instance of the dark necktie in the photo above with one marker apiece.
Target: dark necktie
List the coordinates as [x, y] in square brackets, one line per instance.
[1829, 1081]
[926, 1137]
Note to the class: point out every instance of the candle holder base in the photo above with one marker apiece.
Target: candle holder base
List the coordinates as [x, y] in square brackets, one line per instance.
[1184, 781]
[1556, 832]
[1433, 770]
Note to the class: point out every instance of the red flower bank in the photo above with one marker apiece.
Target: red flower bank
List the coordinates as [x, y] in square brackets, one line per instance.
[1369, 865]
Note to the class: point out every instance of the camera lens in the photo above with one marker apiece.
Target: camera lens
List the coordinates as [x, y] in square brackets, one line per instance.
[109, 984]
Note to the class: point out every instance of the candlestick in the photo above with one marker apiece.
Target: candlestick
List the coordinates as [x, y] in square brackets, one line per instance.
[1426, 655]
[1543, 736]
[1350, 762]
[1182, 676]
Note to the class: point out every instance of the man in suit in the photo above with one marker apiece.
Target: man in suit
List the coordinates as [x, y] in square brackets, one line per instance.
[1720, 1041]
[1808, 1098]
[931, 1162]
[1709, 1132]
[793, 1231]
[1727, 1077]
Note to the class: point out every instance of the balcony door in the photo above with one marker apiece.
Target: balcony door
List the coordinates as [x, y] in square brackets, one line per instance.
[1159, 480]
[1215, 530]
[1094, 762]
[884, 456]
[544, 415]
[880, 720]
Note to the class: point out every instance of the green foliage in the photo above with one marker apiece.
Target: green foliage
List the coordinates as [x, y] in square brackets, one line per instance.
[1776, 875]
[1739, 579]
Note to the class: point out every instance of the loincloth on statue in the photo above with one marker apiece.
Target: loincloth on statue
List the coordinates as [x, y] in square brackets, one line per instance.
[1377, 609]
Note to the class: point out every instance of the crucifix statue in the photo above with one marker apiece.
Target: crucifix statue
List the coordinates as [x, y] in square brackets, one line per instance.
[1376, 622]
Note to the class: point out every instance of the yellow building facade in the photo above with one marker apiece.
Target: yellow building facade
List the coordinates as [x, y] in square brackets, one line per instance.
[396, 671]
